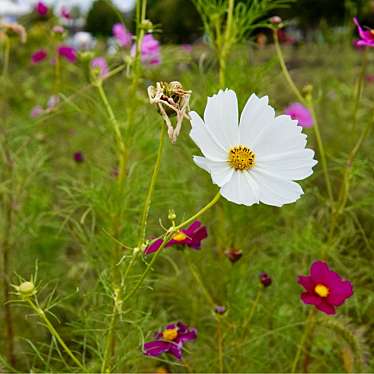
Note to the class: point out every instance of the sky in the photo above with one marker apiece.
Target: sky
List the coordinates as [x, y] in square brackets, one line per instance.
[124, 5]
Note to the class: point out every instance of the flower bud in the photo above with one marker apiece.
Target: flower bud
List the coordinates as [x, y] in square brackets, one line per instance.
[275, 20]
[26, 289]
[147, 26]
[172, 216]
[233, 254]
[219, 309]
[265, 279]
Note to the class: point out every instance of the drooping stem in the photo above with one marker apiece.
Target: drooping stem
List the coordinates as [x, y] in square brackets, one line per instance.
[359, 88]
[40, 312]
[148, 200]
[169, 234]
[121, 150]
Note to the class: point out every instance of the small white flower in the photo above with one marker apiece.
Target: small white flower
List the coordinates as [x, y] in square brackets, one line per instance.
[257, 160]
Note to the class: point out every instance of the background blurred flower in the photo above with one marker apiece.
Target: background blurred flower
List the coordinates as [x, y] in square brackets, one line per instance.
[65, 12]
[366, 37]
[265, 279]
[41, 8]
[101, 65]
[78, 157]
[69, 53]
[39, 56]
[53, 101]
[121, 34]
[58, 29]
[257, 161]
[150, 50]
[324, 288]
[300, 113]
[190, 237]
[170, 340]
[36, 111]
[233, 254]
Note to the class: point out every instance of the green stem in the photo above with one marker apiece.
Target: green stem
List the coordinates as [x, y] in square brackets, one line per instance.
[309, 103]
[308, 325]
[57, 73]
[252, 311]
[106, 366]
[148, 200]
[359, 88]
[220, 345]
[166, 238]
[6, 56]
[53, 331]
[121, 150]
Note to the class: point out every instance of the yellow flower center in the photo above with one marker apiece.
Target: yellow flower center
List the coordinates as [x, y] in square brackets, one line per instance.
[179, 236]
[241, 158]
[170, 334]
[372, 31]
[321, 290]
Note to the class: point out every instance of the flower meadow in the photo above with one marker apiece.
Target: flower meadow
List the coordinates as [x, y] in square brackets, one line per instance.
[186, 208]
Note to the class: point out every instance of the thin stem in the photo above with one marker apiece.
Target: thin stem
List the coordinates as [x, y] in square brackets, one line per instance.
[359, 88]
[148, 200]
[53, 331]
[220, 345]
[252, 311]
[57, 73]
[166, 238]
[121, 150]
[106, 366]
[285, 70]
[308, 323]
[6, 56]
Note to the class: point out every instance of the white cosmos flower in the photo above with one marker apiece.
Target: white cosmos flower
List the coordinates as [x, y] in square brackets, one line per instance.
[258, 159]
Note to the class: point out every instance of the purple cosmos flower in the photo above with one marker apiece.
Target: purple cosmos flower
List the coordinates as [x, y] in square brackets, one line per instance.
[38, 56]
[298, 112]
[65, 13]
[78, 157]
[150, 50]
[36, 111]
[324, 288]
[190, 237]
[123, 36]
[233, 254]
[170, 340]
[69, 53]
[265, 279]
[366, 37]
[41, 8]
[101, 65]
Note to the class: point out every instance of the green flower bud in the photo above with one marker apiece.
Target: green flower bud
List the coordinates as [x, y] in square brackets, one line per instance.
[26, 289]
[172, 216]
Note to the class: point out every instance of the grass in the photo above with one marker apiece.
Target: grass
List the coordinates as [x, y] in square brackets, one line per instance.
[68, 219]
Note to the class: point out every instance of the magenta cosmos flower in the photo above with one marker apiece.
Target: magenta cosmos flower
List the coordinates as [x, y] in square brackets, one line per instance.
[366, 37]
[38, 56]
[190, 237]
[65, 12]
[41, 8]
[101, 65]
[324, 288]
[298, 112]
[170, 340]
[150, 50]
[121, 34]
[69, 53]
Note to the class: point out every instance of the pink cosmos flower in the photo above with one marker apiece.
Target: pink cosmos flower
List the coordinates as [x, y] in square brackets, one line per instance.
[36, 111]
[58, 29]
[366, 37]
[325, 289]
[298, 112]
[150, 50]
[65, 13]
[190, 237]
[41, 8]
[170, 340]
[100, 64]
[69, 53]
[123, 36]
[39, 56]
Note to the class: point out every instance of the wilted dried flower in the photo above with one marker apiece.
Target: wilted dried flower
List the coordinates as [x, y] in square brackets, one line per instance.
[171, 99]
[15, 28]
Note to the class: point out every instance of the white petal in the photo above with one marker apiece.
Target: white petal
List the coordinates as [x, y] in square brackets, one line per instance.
[220, 171]
[204, 139]
[257, 115]
[274, 190]
[239, 190]
[283, 135]
[221, 118]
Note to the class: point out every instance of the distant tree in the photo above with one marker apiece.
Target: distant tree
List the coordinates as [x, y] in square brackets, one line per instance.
[101, 17]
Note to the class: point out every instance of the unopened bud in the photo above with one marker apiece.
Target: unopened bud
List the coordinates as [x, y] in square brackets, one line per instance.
[265, 279]
[147, 25]
[219, 309]
[26, 289]
[233, 254]
[172, 216]
[307, 90]
[275, 20]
